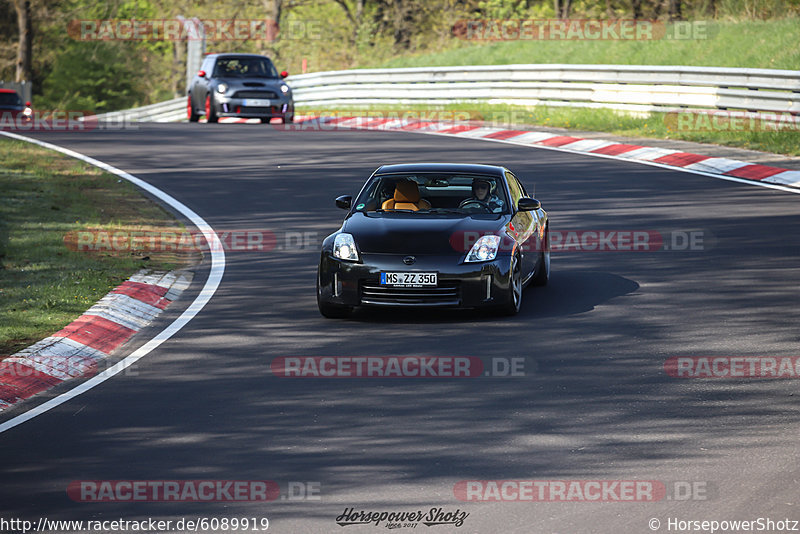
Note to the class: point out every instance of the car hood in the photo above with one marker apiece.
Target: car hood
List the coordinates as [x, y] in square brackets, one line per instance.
[419, 234]
[253, 83]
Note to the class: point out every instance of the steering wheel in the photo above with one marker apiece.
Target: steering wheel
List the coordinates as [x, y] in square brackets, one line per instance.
[471, 202]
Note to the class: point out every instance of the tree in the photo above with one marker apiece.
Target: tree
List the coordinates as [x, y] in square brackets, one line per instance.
[25, 46]
[675, 10]
[562, 8]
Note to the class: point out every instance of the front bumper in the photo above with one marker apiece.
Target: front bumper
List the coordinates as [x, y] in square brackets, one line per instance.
[460, 285]
[235, 107]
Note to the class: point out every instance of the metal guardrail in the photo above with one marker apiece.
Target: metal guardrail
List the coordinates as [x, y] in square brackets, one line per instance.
[169, 111]
[632, 88]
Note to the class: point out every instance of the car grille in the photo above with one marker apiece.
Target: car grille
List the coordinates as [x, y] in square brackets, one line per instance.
[446, 294]
[256, 94]
[263, 111]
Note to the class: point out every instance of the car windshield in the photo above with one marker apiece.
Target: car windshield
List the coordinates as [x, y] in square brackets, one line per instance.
[10, 99]
[244, 67]
[429, 193]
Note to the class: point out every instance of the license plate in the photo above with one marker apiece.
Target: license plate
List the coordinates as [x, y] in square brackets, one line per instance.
[255, 103]
[409, 279]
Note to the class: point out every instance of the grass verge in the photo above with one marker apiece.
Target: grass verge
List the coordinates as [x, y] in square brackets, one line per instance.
[45, 283]
[657, 125]
[765, 44]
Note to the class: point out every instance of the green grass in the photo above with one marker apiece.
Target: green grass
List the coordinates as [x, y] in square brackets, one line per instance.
[44, 285]
[657, 125]
[772, 44]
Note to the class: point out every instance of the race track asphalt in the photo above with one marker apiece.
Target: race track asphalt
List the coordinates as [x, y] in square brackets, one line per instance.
[595, 402]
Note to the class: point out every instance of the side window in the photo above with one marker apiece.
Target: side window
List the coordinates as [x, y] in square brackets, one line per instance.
[515, 188]
[207, 65]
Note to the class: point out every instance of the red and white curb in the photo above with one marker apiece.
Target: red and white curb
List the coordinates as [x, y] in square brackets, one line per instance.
[663, 157]
[76, 350]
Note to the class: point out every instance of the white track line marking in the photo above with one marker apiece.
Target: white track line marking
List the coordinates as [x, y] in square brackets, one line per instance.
[214, 279]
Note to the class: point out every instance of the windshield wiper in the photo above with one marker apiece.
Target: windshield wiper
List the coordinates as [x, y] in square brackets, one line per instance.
[443, 210]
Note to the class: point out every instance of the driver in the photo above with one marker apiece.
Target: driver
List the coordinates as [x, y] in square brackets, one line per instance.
[482, 191]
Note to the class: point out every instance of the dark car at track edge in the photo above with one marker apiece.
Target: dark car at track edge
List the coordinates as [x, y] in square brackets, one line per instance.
[435, 235]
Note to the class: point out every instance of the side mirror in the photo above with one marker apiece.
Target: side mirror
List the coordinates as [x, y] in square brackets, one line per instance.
[344, 202]
[528, 204]
[284, 74]
[202, 74]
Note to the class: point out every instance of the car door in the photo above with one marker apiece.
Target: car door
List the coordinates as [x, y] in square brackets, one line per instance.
[524, 226]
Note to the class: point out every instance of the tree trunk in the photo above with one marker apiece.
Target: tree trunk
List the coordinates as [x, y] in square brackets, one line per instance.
[403, 22]
[25, 47]
[637, 9]
[675, 9]
[178, 67]
[563, 8]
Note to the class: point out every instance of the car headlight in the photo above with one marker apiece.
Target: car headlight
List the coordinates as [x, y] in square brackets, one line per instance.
[221, 88]
[344, 247]
[284, 88]
[484, 249]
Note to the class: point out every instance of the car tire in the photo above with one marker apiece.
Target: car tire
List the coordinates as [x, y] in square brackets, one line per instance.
[331, 311]
[286, 119]
[190, 112]
[514, 303]
[543, 264]
[211, 113]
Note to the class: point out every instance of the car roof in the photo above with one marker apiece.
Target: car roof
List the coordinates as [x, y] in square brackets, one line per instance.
[459, 168]
[7, 91]
[234, 54]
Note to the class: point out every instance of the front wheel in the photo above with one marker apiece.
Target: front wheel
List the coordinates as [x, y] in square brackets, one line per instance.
[191, 114]
[542, 275]
[514, 303]
[211, 113]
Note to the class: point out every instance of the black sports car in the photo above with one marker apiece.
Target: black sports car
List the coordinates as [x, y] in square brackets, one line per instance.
[435, 234]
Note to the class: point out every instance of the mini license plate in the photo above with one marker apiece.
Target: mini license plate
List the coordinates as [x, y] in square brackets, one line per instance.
[409, 279]
[255, 103]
